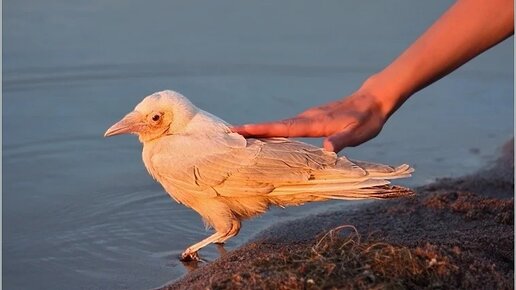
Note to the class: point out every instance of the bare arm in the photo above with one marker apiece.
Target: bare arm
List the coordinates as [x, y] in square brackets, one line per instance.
[465, 30]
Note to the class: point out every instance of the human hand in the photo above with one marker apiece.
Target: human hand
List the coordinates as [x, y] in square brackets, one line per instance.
[464, 31]
[347, 122]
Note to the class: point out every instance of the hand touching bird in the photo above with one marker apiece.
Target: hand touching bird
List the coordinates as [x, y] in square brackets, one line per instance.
[227, 178]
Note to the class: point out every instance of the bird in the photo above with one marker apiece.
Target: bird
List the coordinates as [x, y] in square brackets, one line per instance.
[226, 178]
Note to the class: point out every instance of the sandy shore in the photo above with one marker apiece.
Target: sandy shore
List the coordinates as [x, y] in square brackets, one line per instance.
[455, 233]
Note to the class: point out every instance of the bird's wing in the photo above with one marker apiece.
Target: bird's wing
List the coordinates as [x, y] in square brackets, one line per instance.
[290, 167]
[262, 167]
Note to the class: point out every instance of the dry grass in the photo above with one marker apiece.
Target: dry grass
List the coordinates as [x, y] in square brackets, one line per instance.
[339, 259]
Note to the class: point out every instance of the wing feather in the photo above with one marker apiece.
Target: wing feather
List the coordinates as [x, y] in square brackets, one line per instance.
[274, 167]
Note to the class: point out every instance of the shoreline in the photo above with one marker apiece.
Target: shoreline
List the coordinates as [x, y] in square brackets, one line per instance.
[455, 233]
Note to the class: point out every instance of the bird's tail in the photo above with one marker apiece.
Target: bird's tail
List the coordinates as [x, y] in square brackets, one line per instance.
[333, 183]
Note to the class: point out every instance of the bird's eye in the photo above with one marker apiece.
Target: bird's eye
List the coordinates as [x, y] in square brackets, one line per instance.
[156, 117]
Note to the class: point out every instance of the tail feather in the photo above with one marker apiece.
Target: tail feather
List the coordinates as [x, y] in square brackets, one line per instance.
[379, 192]
[329, 184]
[371, 171]
[326, 187]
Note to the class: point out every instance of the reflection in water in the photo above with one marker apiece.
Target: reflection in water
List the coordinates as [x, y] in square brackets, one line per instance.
[192, 265]
[220, 248]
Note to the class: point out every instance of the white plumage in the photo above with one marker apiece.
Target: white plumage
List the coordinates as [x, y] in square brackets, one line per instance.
[227, 178]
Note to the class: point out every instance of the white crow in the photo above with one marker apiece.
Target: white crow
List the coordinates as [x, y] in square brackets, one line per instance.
[226, 178]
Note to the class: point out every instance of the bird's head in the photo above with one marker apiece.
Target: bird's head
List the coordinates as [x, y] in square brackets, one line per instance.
[159, 114]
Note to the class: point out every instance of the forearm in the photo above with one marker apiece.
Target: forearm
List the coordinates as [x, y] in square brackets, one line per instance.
[468, 28]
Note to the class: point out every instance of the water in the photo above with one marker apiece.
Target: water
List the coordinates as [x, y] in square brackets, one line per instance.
[80, 211]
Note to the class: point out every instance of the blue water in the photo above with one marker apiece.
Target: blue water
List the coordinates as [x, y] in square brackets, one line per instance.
[80, 211]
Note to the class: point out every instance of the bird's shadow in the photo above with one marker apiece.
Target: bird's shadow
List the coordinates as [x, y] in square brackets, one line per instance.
[193, 265]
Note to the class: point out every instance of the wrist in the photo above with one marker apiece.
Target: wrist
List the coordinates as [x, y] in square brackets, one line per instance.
[386, 94]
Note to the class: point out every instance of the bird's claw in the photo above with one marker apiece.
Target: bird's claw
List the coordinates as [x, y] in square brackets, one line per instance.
[189, 256]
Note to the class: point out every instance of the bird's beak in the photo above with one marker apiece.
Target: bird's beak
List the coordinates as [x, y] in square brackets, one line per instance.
[131, 123]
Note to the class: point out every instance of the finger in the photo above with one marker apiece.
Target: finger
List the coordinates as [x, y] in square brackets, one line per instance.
[341, 140]
[294, 127]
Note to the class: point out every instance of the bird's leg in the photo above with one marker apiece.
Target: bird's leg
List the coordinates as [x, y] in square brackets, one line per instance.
[223, 240]
[218, 215]
[191, 252]
[235, 228]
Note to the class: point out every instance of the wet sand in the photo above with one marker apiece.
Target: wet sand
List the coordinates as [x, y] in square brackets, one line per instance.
[455, 233]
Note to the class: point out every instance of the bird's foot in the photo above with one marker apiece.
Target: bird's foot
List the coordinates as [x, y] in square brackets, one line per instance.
[189, 256]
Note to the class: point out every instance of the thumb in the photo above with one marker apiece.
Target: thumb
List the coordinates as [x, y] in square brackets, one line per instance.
[339, 141]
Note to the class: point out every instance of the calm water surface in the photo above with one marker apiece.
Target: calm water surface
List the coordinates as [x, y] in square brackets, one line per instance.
[80, 211]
